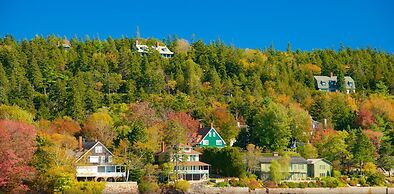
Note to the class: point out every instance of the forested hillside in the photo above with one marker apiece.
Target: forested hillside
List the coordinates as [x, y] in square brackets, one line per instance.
[105, 89]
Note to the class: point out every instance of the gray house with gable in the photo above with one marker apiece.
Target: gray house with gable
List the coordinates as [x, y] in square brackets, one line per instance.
[329, 84]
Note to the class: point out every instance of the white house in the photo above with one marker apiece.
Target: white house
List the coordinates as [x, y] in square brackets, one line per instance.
[164, 51]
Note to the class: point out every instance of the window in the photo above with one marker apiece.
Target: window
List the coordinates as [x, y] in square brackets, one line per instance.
[214, 134]
[192, 158]
[94, 159]
[322, 174]
[322, 167]
[323, 83]
[102, 159]
[101, 169]
[98, 149]
[209, 133]
[205, 142]
[109, 159]
[350, 84]
[218, 142]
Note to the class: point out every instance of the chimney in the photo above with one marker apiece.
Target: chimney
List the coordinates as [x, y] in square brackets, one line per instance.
[331, 74]
[275, 154]
[201, 125]
[238, 124]
[136, 42]
[211, 125]
[163, 147]
[80, 143]
[157, 43]
[325, 123]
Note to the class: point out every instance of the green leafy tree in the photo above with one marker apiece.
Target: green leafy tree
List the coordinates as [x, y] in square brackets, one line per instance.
[272, 127]
[362, 149]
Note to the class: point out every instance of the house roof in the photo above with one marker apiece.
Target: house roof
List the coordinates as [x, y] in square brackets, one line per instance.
[293, 160]
[201, 133]
[320, 80]
[87, 147]
[163, 50]
[142, 48]
[193, 163]
[313, 161]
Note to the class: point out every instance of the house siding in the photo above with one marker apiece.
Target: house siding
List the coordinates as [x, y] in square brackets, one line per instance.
[297, 171]
[320, 168]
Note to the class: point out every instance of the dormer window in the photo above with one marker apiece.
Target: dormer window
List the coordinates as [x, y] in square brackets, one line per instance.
[98, 149]
[350, 84]
[323, 83]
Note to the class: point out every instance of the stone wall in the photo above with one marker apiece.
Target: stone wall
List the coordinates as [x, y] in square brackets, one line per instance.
[120, 187]
[346, 190]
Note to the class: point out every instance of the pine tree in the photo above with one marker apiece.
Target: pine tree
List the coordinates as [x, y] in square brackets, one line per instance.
[4, 86]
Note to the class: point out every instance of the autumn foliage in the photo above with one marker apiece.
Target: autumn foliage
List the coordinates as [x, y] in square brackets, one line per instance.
[17, 146]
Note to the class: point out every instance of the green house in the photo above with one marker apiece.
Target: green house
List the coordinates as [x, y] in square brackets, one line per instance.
[319, 167]
[208, 137]
[297, 168]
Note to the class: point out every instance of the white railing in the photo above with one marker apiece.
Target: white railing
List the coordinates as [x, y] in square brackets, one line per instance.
[193, 171]
[84, 171]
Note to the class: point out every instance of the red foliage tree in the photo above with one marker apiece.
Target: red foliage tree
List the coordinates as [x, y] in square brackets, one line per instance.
[17, 147]
[65, 126]
[186, 121]
[365, 118]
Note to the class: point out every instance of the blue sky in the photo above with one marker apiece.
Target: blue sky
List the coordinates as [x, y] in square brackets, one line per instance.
[306, 24]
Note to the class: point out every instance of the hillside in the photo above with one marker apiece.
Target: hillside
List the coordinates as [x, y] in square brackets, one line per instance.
[104, 89]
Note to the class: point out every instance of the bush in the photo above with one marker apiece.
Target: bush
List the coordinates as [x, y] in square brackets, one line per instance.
[234, 182]
[302, 184]
[353, 182]
[376, 179]
[222, 184]
[253, 184]
[331, 182]
[311, 184]
[270, 184]
[182, 185]
[362, 181]
[148, 185]
[283, 185]
[336, 173]
[292, 184]
[86, 187]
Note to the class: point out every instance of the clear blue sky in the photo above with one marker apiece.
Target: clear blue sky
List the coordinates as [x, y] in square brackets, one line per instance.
[247, 24]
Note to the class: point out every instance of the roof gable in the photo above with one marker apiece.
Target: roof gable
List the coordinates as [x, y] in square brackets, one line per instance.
[89, 146]
[207, 132]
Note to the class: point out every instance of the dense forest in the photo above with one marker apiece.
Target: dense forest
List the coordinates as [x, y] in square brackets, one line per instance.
[105, 89]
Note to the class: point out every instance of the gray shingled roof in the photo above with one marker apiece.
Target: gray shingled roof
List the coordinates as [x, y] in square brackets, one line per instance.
[323, 82]
[293, 160]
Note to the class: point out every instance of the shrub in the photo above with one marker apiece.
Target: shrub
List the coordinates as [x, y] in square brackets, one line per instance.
[331, 182]
[353, 182]
[182, 185]
[86, 187]
[302, 184]
[312, 184]
[376, 179]
[233, 182]
[292, 184]
[148, 185]
[222, 184]
[336, 173]
[270, 184]
[362, 181]
[283, 185]
[253, 184]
